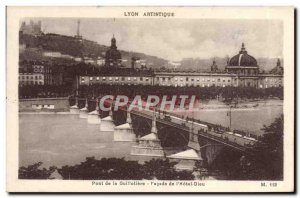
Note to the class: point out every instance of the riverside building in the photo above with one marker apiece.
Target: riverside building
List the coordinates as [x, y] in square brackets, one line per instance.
[241, 70]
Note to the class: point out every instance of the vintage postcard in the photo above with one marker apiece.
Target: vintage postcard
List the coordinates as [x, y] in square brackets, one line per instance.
[150, 99]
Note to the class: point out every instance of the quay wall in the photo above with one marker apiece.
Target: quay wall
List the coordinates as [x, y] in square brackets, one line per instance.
[44, 104]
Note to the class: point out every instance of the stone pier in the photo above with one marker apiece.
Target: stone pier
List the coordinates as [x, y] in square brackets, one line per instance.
[74, 109]
[186, 159]
[149, 145]
[124, 132]
[93, 117]
[107, 124]
[83, 113]
[193, 141]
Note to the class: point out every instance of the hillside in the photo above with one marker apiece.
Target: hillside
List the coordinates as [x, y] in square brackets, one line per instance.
[71, 46]
[204, 64]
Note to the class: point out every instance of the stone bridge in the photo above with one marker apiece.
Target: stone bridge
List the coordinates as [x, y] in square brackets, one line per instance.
[174, 132]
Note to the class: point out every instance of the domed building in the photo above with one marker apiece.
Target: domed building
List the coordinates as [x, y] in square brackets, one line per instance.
[241, 70]
[113, 57]
[245, 67]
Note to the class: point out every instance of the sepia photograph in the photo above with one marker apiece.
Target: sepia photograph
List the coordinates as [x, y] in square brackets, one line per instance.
[150, 97]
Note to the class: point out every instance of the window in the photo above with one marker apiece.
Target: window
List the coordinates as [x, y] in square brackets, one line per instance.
[91, 78]
[110, 78]
[141, 78]
[40, 77]
[198, 79]
[228, 80]
[128, 78]
[175, 79]
[134, 78]
[147, 79]
[103, 78]
[219, 79]
[97, 78]
[192, 79]
[123, 78]
[186, 79]
[117, 79]
[163, 78]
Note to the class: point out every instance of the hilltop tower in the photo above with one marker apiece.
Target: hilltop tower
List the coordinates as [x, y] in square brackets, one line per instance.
[78, 36]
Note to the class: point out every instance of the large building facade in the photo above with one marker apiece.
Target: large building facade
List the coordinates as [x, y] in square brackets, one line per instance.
[40, 74]
[241, 70]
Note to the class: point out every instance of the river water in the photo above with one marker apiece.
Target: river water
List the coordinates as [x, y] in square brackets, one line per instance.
[65, 139]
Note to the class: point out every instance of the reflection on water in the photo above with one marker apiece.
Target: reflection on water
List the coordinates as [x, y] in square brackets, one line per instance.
[59, 139]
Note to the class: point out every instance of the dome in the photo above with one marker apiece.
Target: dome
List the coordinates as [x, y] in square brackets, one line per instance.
[242, 59]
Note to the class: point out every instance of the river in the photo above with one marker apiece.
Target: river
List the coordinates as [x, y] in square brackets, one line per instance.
[65, 139]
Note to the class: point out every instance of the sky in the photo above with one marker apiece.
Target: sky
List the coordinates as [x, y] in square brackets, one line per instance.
[176, 39]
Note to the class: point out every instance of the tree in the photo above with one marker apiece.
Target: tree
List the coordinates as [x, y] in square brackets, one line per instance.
[110, 168]
[35, 172]
[270, 150]
[266, 163]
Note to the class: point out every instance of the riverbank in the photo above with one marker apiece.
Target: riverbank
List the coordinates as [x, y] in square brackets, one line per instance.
[216, 104]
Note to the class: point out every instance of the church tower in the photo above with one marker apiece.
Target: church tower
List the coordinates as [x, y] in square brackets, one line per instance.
[113, 57]
[113, 44]
[214, 67]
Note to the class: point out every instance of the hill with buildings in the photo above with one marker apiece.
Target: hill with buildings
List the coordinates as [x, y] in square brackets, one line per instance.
[35, 45]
